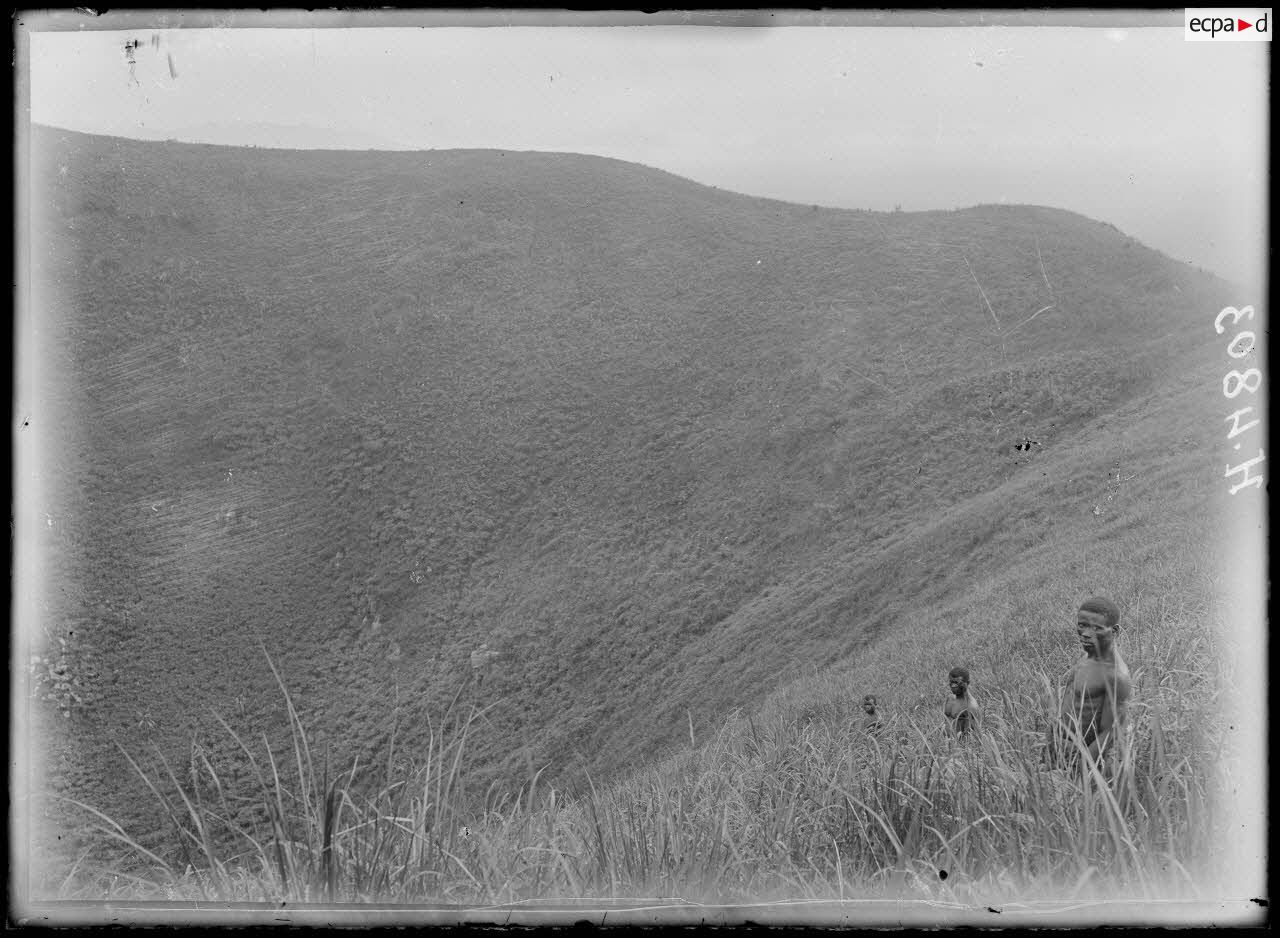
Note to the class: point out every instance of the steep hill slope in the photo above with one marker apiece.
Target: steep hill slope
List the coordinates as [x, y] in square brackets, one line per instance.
[664, 446]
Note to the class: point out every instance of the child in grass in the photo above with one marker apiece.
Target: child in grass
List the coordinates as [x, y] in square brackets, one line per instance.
[872, 724]
[480, 659]
[961, 708]
[1096, 689]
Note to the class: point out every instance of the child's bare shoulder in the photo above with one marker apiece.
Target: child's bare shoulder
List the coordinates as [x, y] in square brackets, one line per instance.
[1124, 682]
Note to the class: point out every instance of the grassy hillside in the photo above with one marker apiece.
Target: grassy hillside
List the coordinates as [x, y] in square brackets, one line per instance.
[666, 447]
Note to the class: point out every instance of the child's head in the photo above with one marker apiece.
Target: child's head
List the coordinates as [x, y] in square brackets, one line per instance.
[958, 680]
[1101, 606]
[1097, 623]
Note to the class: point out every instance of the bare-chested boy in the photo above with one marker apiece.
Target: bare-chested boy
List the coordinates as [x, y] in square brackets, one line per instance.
[961, 708]
[872, 723]
[1096, 690]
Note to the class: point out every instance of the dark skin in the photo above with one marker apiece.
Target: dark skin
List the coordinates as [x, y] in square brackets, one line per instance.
[961, 709]
[872, 722]
[1095, 691]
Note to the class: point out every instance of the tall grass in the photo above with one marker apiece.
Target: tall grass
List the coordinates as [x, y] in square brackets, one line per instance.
[302, 831]
[795, 801]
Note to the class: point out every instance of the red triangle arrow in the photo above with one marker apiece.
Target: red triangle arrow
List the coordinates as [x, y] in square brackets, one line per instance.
[1243, 25]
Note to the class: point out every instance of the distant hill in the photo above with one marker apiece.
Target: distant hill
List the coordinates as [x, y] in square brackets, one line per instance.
[282, 136]
[665, 447]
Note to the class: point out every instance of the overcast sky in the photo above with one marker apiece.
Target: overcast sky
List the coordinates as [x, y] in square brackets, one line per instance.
[1163, 138]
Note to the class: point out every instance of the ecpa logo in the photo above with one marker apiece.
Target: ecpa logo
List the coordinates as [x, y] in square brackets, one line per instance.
[1211, 24]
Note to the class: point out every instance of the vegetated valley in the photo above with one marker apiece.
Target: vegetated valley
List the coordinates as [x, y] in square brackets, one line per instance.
[668, 449]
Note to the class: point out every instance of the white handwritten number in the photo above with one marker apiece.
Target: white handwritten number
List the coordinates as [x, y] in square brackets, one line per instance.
[1219, 328]
[1236, 429]
[1234, 382]
[1246, 336]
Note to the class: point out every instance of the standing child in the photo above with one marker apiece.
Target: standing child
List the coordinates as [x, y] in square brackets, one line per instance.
[872, 724]
[961, 708]
[1095, 690]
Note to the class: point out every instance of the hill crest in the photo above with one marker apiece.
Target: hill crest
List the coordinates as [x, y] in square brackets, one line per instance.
[469, 155]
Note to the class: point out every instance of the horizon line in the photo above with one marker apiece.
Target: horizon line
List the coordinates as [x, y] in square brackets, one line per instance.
[576, 153]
